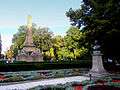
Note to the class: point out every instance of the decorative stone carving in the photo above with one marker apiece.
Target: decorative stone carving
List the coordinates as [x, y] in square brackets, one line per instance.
[29, 53]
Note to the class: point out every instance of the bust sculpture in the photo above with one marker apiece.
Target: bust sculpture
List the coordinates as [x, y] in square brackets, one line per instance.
[96, 48]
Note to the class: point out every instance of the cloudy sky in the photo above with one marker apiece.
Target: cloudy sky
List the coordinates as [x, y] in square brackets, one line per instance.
[49, 13]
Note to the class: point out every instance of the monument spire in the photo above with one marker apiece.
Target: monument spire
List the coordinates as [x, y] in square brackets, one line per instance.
[29, 21]
[28, 44]
[29, 52]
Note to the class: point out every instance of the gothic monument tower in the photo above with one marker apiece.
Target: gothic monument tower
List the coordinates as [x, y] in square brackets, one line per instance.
[29, 52]
[28, 44]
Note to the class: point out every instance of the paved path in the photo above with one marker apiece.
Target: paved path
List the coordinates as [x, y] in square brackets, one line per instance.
[28, 85]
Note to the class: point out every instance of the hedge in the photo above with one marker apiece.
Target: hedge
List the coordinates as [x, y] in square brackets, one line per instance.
[26, 66]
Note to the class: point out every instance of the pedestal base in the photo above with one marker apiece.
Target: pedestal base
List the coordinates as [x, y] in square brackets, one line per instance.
[29, 58]
[98, 74]
[97, 66]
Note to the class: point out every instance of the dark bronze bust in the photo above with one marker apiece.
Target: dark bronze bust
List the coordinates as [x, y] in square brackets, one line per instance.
[96, 46]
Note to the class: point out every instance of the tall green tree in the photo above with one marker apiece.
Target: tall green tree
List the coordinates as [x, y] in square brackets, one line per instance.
[73, 43]
[100, 20]
[43, 39]
[58, 44]
[18, 39]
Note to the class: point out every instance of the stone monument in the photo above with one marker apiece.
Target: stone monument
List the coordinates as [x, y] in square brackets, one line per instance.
[29, 53]
[97, 64]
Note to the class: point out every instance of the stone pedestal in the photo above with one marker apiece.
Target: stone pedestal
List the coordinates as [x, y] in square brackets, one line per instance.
[30, 58]
[97, 65]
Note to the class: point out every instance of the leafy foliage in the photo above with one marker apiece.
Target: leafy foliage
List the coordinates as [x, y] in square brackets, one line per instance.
[73, 45]
[42, 38]
[100, 20]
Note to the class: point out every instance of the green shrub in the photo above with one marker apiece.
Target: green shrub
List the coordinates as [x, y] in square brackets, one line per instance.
[23, 66]
[115, 84]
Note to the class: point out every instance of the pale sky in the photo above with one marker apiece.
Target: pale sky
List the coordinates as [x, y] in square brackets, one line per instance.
[49, 13]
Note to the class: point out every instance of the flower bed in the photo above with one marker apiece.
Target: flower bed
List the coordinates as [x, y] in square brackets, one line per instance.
[102, 87]
[116, 81]
[2, 78]
[100, 82]
[105, 83]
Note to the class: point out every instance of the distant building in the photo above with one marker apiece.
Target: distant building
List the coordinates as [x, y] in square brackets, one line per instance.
[0, 46]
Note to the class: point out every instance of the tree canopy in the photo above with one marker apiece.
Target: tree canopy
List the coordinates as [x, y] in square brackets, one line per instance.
[53, 47]
[99, 20]
[42, 38]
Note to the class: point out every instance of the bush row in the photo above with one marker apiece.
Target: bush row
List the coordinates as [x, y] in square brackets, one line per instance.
[26, 66]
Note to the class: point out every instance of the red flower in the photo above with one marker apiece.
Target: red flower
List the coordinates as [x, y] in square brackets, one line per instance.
[77, 87]
[2, 77]
[116, 81]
